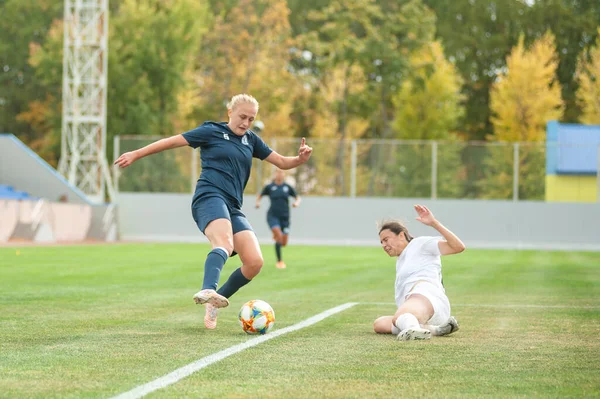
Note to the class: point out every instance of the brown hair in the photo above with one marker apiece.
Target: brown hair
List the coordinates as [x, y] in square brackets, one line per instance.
[395, 226]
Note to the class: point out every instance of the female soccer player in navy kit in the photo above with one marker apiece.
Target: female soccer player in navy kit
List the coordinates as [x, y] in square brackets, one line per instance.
[278, 215]
[226, 152]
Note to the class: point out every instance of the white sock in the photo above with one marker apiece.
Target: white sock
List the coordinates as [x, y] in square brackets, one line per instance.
[407, 320]
[224, 252]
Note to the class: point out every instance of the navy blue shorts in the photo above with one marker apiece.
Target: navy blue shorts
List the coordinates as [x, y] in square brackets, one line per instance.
[207, 209]
[282, 222]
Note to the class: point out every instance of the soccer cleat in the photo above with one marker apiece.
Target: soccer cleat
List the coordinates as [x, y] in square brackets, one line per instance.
[416, 333]
[280, 265]
[212, 297]
[210, 317]
[449, 327]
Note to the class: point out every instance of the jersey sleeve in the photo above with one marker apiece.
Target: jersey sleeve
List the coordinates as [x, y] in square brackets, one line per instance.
[261, 149]
[292, 192]
[198, 136]
[431, 246]
[265, 190]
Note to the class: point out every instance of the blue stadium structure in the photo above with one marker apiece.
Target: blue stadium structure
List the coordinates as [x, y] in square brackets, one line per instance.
[572, 162]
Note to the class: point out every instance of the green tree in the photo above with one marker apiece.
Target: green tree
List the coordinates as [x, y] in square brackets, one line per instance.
[361, 34]
[408, 26]
[340, 42]
[588, 94]
[247, 51]
[299, 11]
[24, 26]
[427, 107]
[477, 36]
[526, 96]
[428, 102]
[151, 46]
[151, 50]
[43, 114]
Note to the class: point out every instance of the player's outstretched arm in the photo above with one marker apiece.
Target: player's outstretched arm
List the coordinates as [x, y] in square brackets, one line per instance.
[296, 203]
[128, 158]
[453, 244]
[286, 163]
[258, 198]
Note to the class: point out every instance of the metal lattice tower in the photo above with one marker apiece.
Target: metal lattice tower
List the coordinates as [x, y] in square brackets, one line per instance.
[83, 146]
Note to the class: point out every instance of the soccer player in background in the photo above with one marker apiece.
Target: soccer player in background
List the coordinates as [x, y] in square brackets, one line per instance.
[423, 307]
[278, 215]
[226, 152]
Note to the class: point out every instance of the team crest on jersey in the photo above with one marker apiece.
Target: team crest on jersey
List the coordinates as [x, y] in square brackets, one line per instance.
[245, 140]
[226, 136]
[285, 189]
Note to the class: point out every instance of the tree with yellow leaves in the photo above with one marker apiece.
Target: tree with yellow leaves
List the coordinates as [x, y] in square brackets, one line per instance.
[525, 97]
[528, 93]
[588, 94]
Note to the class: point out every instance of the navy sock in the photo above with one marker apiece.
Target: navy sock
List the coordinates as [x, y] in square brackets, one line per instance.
[278, 251]
[212, 268]
[233, 283]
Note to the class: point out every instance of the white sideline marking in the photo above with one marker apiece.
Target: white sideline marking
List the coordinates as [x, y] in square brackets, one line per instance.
[185, 371]
[515, 306]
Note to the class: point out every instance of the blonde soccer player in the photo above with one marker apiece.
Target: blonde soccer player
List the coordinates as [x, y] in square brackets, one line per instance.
[226, 152]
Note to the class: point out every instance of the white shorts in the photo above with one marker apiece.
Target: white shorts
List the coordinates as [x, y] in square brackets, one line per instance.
[438, 299]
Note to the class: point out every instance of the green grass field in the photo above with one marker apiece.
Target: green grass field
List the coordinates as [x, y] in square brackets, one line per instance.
[97, 321]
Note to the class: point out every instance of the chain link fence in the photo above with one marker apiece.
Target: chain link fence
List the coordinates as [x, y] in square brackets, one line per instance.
[366, 168]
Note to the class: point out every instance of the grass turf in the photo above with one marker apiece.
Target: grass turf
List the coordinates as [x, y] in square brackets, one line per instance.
[96, 321]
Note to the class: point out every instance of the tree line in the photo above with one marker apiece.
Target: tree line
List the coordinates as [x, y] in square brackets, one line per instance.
[453, 70]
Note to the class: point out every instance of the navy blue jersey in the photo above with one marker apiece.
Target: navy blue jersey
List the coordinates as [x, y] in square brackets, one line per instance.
[279, 195]
[226, 159]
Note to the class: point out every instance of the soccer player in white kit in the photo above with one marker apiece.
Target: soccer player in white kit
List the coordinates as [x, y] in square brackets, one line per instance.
[423, 307]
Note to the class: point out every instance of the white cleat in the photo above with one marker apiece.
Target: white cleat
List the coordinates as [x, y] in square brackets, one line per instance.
[449, 327]
[411, 334]
[212, 297]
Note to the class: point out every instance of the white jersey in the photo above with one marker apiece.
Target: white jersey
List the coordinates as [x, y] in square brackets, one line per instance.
[419, 261]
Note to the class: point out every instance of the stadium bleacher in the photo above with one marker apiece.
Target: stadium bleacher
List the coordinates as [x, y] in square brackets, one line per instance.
[8, 192]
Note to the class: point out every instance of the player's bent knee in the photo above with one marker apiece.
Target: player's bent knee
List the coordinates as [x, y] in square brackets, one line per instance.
[229, 248]
[252, 266]
[382, 325]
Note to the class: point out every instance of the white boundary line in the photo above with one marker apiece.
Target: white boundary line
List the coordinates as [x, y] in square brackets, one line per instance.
[191, 368]
[508, 306]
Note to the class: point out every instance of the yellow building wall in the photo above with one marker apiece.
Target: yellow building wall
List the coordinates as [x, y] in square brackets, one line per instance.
[565, 188]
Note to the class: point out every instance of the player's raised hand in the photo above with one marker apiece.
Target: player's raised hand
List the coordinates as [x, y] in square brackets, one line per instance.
[126, 159]
[425, 215]
[304, 151]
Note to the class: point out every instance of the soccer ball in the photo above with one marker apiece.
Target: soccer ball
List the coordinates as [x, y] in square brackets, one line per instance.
[256, 317]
